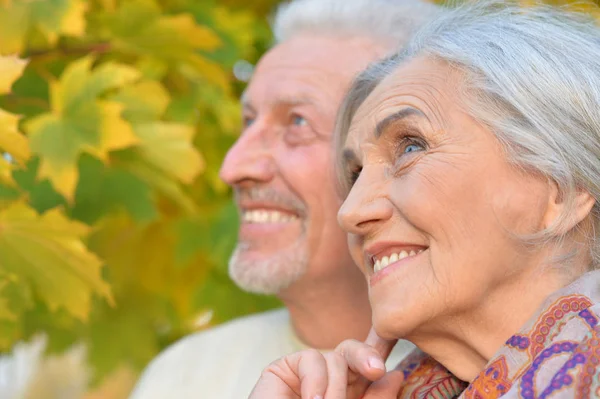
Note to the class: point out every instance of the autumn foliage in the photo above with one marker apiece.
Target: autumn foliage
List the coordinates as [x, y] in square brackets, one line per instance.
[114, 118]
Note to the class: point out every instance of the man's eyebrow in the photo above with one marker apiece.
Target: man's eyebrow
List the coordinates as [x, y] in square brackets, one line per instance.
[395, 117]
[286, 101]
[348, 156]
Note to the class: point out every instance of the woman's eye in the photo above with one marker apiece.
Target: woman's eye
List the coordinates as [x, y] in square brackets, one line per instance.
[413, 148]
[298, 120]
[410, 145]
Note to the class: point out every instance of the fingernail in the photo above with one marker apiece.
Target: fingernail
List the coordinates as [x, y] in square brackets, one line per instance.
[375, 363]
[318, 397]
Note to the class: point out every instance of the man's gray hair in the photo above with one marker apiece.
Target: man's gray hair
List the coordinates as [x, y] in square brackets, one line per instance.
[532, 76]
[390, 20]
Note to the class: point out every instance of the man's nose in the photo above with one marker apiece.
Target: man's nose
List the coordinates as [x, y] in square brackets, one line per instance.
[366, 206]
[250, 158]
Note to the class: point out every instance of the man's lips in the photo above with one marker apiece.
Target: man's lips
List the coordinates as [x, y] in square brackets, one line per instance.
[263, 213]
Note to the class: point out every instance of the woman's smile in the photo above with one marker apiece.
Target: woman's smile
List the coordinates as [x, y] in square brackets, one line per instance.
[389, 264]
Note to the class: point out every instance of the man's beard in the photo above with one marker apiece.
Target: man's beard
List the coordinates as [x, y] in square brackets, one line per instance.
[272, 274]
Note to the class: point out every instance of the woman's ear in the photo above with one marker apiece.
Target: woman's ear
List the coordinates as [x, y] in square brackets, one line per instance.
[577, 212]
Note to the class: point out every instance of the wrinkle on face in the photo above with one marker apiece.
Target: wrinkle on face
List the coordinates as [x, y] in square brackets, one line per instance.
[460, 195]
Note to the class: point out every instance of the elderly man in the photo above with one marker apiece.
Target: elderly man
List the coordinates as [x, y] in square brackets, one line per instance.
[281, 170]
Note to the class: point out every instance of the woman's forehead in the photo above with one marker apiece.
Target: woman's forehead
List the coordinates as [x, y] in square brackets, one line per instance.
[423, 84]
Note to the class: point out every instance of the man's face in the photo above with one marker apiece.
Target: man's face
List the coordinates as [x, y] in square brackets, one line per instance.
[281, 166]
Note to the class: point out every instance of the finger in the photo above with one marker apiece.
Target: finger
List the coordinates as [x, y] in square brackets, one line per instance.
[312, 372]
[387, 387]
[271, 385]
[362, 359]
[383, 346]
[337, 376]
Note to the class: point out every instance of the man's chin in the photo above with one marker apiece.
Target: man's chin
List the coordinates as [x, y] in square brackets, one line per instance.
[267, 273]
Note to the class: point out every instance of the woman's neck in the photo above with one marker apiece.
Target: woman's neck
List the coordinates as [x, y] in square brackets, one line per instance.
[466, 342]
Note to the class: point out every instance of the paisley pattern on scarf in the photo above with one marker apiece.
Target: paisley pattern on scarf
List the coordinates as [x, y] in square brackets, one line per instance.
[555, 355]
[426, 378]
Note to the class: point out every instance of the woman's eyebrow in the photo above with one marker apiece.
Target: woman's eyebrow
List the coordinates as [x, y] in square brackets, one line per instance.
[395, 117]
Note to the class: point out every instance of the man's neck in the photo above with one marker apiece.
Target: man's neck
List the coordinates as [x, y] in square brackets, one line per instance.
[323, 314]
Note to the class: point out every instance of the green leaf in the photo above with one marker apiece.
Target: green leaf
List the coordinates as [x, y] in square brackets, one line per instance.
[103, 191]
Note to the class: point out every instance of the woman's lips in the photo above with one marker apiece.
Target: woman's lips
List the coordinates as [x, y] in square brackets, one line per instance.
[387, 264]
[385, 261]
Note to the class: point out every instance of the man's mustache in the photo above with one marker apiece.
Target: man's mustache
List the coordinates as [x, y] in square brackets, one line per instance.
[271, 196]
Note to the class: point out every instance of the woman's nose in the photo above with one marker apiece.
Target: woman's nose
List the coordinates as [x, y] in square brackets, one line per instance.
[366, 206]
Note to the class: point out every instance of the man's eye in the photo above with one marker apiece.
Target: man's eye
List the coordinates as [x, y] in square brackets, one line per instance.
[248, 121]
[354, 174]
[298, 120]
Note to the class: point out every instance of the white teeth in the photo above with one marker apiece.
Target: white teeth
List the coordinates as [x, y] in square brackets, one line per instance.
[385, 261]
[266, 216]
[395, 257]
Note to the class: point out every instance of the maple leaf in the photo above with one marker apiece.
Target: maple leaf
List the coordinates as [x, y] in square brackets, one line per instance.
[165, 154]
[11, 68]
[80, 121]
[139, 27]
[6, 173]
[11, 140]
[168, 146]
[47, 252]
[52, 18]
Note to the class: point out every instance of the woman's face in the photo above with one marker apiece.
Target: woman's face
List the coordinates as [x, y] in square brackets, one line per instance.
[435, 200]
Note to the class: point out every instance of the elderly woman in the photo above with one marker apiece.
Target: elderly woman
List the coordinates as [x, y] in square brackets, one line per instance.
[471, 163]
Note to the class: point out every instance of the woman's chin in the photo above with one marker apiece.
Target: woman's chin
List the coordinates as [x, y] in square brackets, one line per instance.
[390, 326]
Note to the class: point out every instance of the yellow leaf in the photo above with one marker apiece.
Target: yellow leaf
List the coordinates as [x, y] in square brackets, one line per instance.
[200, 37]
[11, 68]
[11, 140]
[201, 68]
[47, 251]
[14, 24]
[168, 146]
[51, 18]
[146, 100]
[73, 21]
[80, 121]
[118, 384]
[6, 173]
[6, 314]
[116, 133]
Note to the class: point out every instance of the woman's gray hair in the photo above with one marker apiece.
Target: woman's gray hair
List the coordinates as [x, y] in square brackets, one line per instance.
[532, 76]
[384, 19]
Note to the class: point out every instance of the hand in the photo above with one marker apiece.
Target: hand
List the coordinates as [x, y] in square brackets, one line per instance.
[346, 373]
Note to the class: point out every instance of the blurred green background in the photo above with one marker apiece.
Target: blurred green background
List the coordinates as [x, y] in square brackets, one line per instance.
[115, 229]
